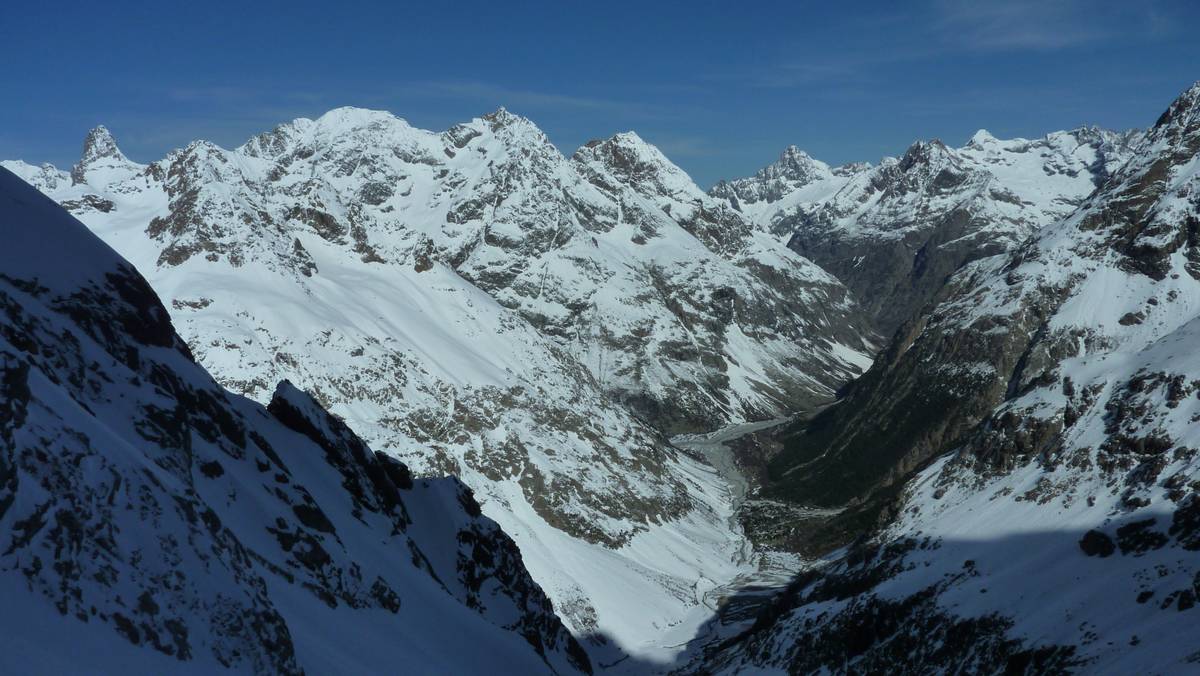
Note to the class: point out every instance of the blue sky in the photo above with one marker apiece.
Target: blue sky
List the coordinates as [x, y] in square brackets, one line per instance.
[721, 87]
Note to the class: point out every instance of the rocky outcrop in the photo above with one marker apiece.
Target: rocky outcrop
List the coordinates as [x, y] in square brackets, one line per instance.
[1024, 453]
[896, 232]
[477, 304]
[154, 519]
[998, 333]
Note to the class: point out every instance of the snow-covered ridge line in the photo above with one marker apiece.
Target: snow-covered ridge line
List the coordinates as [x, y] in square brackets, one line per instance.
[155, 522]
[895, 231]
[1055, 393]
[477, 304]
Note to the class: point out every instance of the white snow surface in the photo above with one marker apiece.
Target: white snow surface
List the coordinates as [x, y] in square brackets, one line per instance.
[1012, 186]
[474, 303]
[1023, 528]
[154, 522]
[1115, 287]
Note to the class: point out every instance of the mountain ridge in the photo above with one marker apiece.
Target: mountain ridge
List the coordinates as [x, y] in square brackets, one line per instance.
[1037, 427]
[201, 530]
[536, 287]
[894, 232]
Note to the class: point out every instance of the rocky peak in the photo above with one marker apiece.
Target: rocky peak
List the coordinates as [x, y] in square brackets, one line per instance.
[1090, 134]
[981, 138]
[1183, 113]
[927, 166]
[100, 143]
[632, 160]
[507, 133]
[794, 169]
[275, 143]
[99, 147]
[502, 117]
[927, 154]
[1147, 211]
[1176, 133]
[626, 143]
[794, 165]
[506, 124]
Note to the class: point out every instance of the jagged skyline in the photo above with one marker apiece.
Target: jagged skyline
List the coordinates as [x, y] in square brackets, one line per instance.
[718, 89]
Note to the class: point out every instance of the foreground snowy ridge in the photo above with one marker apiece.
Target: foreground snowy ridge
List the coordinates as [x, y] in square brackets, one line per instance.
[154, 522]
[477, 304]
[1061, 531]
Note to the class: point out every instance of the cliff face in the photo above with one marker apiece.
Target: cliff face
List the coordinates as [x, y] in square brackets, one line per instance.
[475, 303]
[1049, 405]
[895, 232]
[154, 521]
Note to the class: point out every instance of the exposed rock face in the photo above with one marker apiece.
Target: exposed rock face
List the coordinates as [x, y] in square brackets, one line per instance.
[894, 233]
[102, 161]
[795, 182]
[1008, 322]
[151, 518]
[1061, 524]
[475, 303]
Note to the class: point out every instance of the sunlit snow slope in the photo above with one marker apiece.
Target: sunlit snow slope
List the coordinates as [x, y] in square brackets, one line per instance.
[152, 522]
[894, 232]
[1051, 408]
[475, 303]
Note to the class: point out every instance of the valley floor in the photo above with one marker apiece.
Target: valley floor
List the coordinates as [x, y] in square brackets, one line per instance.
[729, 607]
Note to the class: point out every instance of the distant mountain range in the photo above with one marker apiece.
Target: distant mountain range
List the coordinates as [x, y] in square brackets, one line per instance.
[476, 304]
[894, 232]
[1026, 452]
[991, 346]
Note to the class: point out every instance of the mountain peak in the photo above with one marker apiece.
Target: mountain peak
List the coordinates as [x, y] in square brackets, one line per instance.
[794, 152]
[627, 143]
[629, 138]
[501, 117]
[794, 165]
[1184, 111]
[927, 153]
[512, 129]
[352, 117]
[629, 155]
[98, 145]
[981, 137]
[99, 142]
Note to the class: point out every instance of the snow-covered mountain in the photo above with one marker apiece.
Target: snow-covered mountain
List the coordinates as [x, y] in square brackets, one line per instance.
[153, 522]
[1053, 401]
[795, 183]
[477, 304]
[893, 233]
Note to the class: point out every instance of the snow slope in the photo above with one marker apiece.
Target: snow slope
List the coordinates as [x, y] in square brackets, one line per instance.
[154, 522]
[475, 303]
[894, 232]
[795, 183]
[1062, 528]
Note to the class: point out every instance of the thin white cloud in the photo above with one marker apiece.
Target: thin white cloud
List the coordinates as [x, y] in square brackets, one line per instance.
[519, 99]
[801, 74]
[943, 29]
[685, 147]
[1020, 24]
